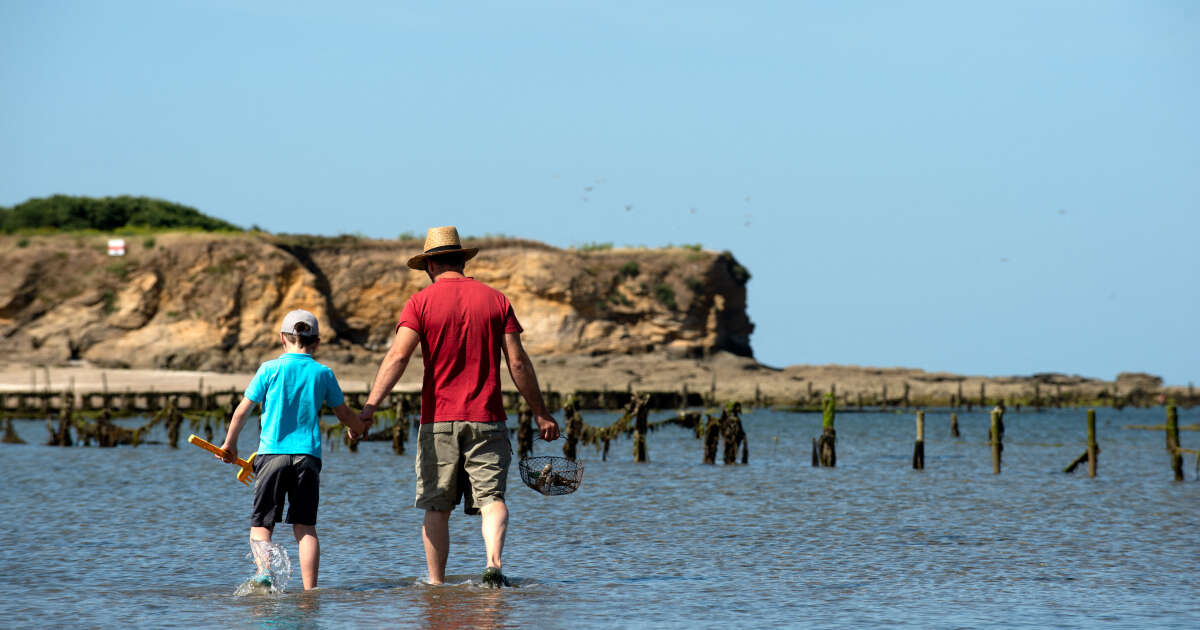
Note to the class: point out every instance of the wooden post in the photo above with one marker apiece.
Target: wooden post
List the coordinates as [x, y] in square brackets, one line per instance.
[906, 394]
[712, 437]
[884, 404]
[574, 427]
[1093, 451]
[827, 443]
[10, 436]
[524, 431]
[641, 409]
[919, 447]
[983, 394]
[174, 420]
[731, 431]
[959, 400]
[954, 425]
[860, 400]
[996, 434]
[1173, 442]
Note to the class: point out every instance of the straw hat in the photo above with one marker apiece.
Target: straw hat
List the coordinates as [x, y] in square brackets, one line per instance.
[441, 240]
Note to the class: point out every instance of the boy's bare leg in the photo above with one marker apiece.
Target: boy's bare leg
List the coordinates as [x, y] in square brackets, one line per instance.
[260, 534]
[435, 532]
[310, 553]
[495, 524]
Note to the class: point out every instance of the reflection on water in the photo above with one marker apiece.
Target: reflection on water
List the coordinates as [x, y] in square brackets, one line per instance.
[463, 606]
[155, 537]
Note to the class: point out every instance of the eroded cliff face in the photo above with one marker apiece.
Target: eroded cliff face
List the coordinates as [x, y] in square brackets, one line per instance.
[214, 302]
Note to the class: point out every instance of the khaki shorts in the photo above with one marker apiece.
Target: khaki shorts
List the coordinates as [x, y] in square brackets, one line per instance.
[462, 460]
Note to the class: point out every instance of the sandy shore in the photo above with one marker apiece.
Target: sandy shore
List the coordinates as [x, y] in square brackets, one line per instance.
[731, 377]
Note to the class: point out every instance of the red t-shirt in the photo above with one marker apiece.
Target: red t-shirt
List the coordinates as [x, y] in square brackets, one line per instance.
[462, 323]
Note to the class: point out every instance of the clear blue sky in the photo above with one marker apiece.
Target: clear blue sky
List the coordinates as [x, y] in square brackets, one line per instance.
[984, 188]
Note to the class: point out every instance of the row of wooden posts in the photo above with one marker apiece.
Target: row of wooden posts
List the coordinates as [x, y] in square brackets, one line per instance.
[126, 404]
[394, 422]
[814, 399]
[824, 448]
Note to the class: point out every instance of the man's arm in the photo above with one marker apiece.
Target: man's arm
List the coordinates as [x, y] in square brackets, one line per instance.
[235, 428]
[523, 376]
[391, 369]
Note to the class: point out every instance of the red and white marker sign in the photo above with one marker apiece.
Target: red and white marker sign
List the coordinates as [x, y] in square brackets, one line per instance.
[116, 247]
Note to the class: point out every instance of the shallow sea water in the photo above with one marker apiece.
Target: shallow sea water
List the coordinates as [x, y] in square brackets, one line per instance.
[156, 537]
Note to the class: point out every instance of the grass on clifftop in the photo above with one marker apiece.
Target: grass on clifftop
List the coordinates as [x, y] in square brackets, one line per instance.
[124, 214]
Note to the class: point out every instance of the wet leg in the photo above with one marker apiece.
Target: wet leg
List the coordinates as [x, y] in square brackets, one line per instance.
[260, 534]
[495, 525]
[310, 553]
[435, 532]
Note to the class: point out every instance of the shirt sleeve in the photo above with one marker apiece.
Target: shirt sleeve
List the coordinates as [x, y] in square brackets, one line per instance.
[333, 391]
[511, 325]
[409, 317]
[256, 391]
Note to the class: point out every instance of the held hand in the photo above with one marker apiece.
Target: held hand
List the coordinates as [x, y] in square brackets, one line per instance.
[362, 432]
[547, 427]
[230, 453]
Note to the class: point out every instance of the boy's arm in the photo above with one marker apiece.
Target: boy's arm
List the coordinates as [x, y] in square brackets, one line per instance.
[391, 369]
[523, 376]
[235, 428]
[357, 426]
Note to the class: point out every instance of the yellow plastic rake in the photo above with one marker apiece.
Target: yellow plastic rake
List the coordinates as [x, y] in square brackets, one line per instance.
[245, 472]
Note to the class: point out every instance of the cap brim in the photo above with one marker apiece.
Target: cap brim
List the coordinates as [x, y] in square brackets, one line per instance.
[418, 262]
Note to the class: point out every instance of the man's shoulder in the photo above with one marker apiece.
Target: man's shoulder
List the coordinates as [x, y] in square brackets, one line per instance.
[484, 288]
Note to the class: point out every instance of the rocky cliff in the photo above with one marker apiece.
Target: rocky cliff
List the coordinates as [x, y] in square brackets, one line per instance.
[214, 301]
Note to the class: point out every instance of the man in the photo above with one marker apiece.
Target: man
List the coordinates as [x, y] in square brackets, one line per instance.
[463, 451]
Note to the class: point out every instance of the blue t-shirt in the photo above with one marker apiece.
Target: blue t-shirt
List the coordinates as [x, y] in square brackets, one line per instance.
[291, 390]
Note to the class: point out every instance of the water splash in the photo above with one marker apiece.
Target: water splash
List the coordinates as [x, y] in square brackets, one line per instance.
[272, 567]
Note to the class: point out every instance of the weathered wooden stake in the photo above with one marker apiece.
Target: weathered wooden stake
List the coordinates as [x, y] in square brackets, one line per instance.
[641, 410]
[884, 404]
[919, 447]
[732, 433]
[827, 443]
[982, 394]
[1093, 450]
[10, 436]
[959, 400]
[712, 438]
[574, 427]
[524, 432]
[996, 434]
[906, 394]
[1173, 442]
[954, 425]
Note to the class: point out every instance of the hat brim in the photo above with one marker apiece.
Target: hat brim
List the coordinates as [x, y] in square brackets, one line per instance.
[418, 261]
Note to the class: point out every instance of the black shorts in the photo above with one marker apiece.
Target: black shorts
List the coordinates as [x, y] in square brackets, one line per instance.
[296, 476]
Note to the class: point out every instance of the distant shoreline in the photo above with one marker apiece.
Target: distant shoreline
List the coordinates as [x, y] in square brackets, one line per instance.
[724, 376]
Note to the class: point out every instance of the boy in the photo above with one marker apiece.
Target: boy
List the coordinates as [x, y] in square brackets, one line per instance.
[291, 390]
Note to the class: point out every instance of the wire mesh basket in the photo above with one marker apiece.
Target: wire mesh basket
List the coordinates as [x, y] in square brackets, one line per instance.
[551, 475]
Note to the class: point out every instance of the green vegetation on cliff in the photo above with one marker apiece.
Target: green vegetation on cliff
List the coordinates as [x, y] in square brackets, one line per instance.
[64, 212]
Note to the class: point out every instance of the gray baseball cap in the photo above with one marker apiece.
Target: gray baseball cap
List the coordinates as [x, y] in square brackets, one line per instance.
[300, 316]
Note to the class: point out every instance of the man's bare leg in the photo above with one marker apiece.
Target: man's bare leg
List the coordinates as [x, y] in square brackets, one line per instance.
[435, 532]
[310, 553]
[495, 525]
